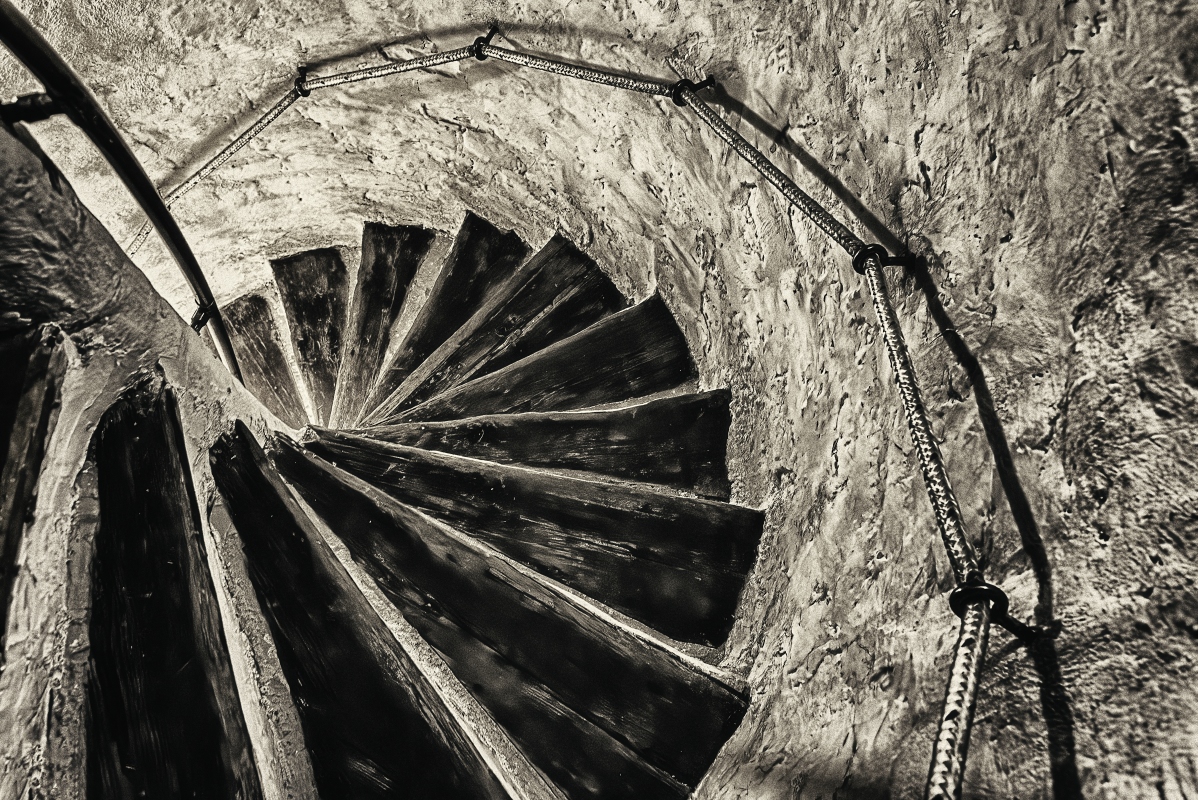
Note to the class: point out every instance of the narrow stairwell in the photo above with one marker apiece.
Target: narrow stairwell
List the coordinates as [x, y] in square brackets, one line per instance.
[489, 548]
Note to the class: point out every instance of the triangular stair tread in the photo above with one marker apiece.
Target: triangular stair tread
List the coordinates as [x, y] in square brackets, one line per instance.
[678, 441]
[481, 259]
[374, 725]
[390, 258]
[653, 700]
[313, 286]
[555, 294]
[636, 352]
[264, 368]
[677, 564]
[163, 717]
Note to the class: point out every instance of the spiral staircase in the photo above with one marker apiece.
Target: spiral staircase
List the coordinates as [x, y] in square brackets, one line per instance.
[496, 562]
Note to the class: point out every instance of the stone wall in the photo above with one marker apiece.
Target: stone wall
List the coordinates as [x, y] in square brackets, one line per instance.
[1039, 157]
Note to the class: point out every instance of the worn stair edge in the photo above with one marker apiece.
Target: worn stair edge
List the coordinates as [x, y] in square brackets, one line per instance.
[313, 287]
[678, 441]
[635, 352]
[34, 367]
[164, 713]
[258, 344]
[651, 697]
[373, 723]
[391, 255]
[678, 564]
[511, 766]
[481, 258]
[555, 294]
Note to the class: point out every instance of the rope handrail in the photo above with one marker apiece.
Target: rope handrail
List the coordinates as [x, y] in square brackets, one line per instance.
[976, 602]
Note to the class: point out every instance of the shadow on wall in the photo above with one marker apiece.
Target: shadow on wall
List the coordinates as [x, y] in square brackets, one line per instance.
[1054, 698]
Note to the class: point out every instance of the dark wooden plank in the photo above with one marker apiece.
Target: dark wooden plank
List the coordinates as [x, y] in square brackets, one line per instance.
[374, 725]
[678, 441]
[669, 713]
[555, 294]
[164, 719]
[637, 352]
[390, 257]
[264, 367]
[677, 564]
[481, 260]
[32, 365]
[575, 753]
[313, 286]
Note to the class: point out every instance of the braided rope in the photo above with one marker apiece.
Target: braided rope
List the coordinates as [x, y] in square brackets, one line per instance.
[302, 88]
[370, 73]
[931, 463]
[831, 226]
[217, 161]
[952, 739]
[572, 71]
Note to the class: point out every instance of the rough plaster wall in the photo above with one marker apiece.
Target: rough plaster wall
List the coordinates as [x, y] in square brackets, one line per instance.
[1040, 156]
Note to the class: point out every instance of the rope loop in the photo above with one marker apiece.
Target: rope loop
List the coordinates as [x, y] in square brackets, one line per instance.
[202, 314]
[865, 254]
[484, 40]
[677, 88]
[300, 79]
[976, 590]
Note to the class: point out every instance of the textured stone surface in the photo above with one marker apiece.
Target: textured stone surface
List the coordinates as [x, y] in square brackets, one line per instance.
[1040, 156]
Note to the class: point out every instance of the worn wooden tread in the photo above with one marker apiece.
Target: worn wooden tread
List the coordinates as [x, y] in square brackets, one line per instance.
[391, 255]
[678, 441]
[481, 259]
[553, 295]
[33, 363]
[313, 286]
[264, 367]
[636, 352]
[374, 725]
[639, 692]
[163, 716]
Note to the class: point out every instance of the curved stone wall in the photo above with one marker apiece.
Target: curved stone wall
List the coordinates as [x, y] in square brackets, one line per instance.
[1040, 158]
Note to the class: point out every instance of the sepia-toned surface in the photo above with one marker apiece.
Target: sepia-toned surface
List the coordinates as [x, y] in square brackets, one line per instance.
[1040, 157]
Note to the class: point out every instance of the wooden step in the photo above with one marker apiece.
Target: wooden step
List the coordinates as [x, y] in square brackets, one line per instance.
[313, 287]
[677, 564]
[637, 352]
[537, 656]
[32, 366]
[390, 257]
[481, 260]
[555, 294]
[264, 367]
[678, 441]
[375, 726]
[163, 714]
